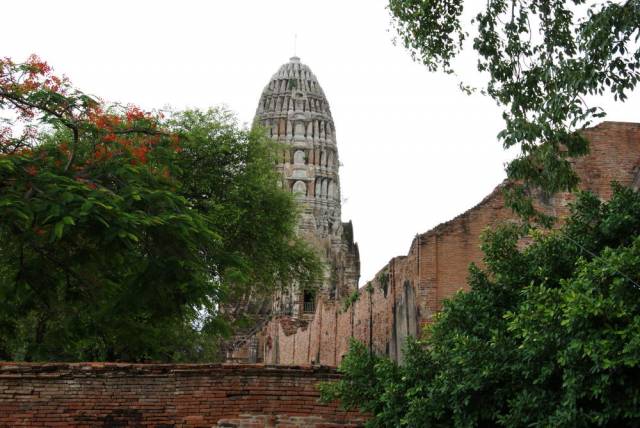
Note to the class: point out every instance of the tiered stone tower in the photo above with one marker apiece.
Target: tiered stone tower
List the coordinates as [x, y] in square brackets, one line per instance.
[296, 113]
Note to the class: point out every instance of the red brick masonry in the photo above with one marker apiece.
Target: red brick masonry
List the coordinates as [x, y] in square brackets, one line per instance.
[411, 289]
[161, 395]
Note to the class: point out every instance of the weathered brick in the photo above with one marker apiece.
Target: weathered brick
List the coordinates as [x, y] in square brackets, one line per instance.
[436, 266]
[88, 394]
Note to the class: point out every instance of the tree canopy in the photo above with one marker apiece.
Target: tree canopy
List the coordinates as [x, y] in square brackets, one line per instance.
[124, 232]
[548, 335]
[543, 59]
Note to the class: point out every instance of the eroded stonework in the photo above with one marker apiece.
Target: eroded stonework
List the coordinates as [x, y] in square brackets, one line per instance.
[410, 290]
[296, 113]
[168, 395]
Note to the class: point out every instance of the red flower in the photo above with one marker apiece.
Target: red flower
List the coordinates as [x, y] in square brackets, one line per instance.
[125, 142]
[102, 153]
[140, 153]
[100, 122]
[38, 65]
[134, 113]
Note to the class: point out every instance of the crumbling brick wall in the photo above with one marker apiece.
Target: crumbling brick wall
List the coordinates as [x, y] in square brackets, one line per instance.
[158, 395]
[410, 290]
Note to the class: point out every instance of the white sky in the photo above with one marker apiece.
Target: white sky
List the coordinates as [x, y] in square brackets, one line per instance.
[415, 150]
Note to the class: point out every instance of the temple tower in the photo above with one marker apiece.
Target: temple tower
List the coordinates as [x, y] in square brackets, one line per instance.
[295, 112]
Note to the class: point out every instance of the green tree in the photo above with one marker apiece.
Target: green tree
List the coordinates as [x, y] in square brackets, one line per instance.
[548, 335]
[228, 173]
[122, 233]
[542, 58]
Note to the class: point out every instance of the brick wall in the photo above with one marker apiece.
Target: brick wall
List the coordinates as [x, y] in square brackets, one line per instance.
[436, 266]
[116, 395]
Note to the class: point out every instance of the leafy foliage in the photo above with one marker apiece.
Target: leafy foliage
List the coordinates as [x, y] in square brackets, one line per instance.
[350, 300]
[122, 233]
[542, 58]
[547, 336]
[228, 174]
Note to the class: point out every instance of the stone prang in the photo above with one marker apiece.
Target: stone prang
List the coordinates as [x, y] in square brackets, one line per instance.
[295, 112]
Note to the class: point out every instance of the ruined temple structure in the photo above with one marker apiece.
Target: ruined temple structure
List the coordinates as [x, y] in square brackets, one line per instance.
[407, 292]
[296, 113]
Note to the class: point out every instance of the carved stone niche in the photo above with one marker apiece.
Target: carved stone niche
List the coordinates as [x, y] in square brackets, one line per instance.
[325, 185]
[299, 101]
[332, 190]
[300, 187]
[299, 157]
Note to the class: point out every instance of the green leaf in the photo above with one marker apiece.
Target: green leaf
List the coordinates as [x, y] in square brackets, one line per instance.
[58, 230]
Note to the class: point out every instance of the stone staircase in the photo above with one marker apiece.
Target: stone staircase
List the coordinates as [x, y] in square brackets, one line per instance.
[245, 338]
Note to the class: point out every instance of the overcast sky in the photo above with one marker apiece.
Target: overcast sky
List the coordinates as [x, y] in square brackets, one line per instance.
[415, 150]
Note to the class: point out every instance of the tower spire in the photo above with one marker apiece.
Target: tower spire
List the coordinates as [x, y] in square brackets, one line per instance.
[295, 110]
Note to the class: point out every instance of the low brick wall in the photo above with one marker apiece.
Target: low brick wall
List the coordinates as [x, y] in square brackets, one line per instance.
[160, 395]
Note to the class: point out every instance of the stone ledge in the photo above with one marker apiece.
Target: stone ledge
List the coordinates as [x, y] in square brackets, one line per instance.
[86, 369]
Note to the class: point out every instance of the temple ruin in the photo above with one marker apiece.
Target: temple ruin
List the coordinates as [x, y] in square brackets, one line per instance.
[406, 293]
